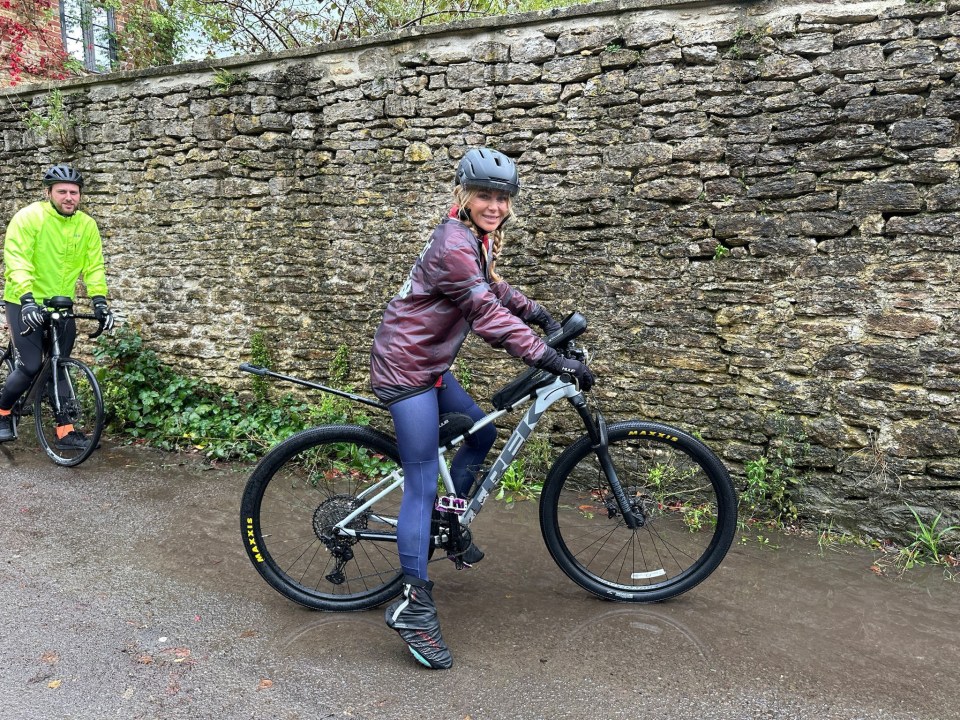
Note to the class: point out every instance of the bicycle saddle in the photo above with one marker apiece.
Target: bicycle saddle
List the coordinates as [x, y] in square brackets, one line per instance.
[453, 425]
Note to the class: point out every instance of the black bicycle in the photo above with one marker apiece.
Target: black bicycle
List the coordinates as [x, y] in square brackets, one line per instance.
[64, 393]
[633, 511]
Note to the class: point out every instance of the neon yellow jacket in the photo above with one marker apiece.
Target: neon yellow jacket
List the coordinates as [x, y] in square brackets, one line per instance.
[45, 253]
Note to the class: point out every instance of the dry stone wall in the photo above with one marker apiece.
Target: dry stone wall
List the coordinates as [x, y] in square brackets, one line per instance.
[756, 205]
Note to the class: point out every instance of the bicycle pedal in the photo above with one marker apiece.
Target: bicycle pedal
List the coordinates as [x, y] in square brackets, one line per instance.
[451, 504]
[457, 560]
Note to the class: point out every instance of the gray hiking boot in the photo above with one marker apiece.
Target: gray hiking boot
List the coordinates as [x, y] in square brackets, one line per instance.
[414, 617]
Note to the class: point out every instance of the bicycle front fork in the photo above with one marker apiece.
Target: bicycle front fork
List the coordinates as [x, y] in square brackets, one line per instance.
[597, 429]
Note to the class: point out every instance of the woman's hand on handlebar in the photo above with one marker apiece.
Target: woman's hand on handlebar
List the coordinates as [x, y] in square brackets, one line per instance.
[555, 363]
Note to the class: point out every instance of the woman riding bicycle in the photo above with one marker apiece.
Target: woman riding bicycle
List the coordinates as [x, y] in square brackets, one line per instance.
[453, 288]
[48, 246]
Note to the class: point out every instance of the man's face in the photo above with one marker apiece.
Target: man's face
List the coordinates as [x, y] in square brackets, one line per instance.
[65, 197]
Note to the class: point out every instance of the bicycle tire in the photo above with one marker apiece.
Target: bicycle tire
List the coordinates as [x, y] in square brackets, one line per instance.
[297, 492]
[81, 406]
[683, 490]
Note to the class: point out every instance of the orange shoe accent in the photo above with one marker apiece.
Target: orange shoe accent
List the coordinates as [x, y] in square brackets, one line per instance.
[63, 431]
[4, 413]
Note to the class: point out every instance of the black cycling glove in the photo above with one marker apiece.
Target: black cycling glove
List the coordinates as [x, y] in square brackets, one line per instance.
[554, 362]
[30, 313]
[102, 312]
[542, 318]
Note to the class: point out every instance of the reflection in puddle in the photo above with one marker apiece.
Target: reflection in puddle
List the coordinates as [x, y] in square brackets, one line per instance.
[638, 625]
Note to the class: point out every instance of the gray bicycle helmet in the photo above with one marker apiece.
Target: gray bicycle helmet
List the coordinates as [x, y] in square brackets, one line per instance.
[61, 174]
[486, 168]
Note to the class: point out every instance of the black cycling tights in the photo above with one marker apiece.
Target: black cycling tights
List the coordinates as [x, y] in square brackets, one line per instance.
[30, 349]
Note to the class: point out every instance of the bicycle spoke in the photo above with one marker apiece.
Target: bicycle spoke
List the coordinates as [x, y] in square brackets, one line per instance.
[296, 499]
[682, 503]
[68, 413]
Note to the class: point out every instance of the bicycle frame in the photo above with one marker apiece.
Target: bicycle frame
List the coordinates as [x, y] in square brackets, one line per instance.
[467, 509]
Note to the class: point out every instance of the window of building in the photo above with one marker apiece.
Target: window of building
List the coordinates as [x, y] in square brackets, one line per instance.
[89, 33]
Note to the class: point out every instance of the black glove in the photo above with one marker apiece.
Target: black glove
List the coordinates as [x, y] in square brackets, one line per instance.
[102, 312]
[554, 362]
[30, 313]
[542, 318]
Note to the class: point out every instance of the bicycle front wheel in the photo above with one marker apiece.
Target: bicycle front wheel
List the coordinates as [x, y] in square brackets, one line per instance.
[678, 490]
[299, 492]
[69, 420]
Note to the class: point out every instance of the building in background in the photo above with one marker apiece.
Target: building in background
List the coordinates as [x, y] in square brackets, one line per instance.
[53, 39]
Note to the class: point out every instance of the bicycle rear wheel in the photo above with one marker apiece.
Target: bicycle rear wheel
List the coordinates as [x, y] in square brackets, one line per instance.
[678, 487]
[79, 406]
[298, 492]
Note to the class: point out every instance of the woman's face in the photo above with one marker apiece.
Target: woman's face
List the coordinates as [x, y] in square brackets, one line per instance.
[488, 209]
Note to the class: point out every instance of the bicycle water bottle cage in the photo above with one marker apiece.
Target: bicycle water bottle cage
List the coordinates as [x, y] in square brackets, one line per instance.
[58, 302]
[453, 425]
[524, 386]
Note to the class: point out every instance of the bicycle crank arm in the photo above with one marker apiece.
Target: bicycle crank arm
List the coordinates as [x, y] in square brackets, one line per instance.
[601, 448]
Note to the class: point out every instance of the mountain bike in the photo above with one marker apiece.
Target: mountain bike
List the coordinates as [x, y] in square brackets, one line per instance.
[632, 511]
[64, 392]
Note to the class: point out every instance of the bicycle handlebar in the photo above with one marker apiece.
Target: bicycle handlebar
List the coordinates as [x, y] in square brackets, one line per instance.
[80, 316]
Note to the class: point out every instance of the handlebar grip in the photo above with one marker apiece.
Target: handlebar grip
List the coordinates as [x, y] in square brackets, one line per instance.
[98, 333]
[255, 369]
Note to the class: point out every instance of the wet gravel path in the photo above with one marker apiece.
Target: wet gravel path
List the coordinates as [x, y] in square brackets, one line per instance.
[126, 594]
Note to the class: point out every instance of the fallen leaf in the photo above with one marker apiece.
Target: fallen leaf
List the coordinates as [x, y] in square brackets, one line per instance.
[50, 657]
[145, 660]
[264, 684]
[248, 634]
[54, 684]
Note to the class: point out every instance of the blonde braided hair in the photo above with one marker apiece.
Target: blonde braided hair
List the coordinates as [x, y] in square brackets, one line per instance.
[463, 196]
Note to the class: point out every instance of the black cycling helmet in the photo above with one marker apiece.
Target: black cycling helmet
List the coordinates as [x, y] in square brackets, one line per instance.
[486, 168]
[61, 174]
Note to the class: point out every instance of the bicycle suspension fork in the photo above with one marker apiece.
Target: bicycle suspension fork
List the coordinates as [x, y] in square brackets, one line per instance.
[597, 431]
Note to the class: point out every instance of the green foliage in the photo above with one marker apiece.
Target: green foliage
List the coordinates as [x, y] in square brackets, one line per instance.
[930, 544]
[149, 33]
[260, 355]
[55, 123]
[224, 79]
[159, 32]
[149, 401]
[767, 493]
[772, 478]
[340, 365]
[463, 373]
[720, 251]
[514, 485]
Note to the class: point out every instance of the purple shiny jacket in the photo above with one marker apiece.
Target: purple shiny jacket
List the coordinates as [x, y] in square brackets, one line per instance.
[447, 294]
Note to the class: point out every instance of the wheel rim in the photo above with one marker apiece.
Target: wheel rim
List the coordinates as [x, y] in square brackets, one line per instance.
[80, 407]
[686, 523]
[301, 500]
